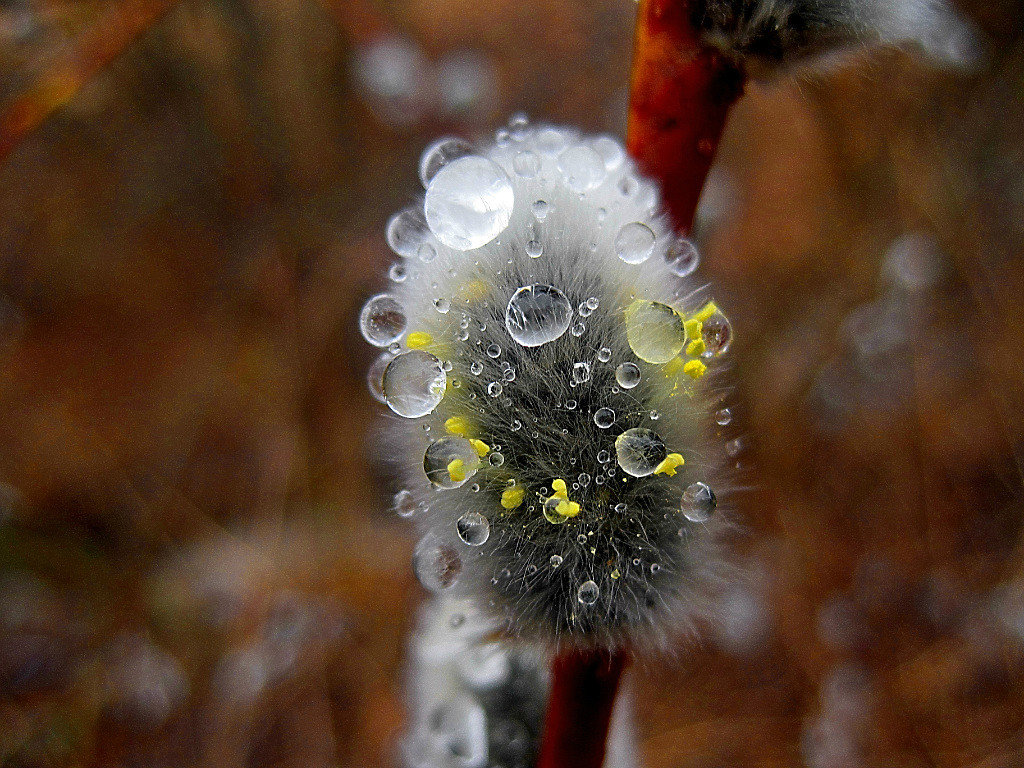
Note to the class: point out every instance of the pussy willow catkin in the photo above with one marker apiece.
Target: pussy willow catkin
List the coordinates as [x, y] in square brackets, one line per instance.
[548, 366]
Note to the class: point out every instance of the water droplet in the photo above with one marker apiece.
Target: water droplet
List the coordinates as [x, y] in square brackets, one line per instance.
[398, 273]
[734, 447]
[655, 332]
[540, 209]
[578, 329]
[534, 249]
[494, 389]
[655, 415]
[621, 508]
[442, 305]
[588, 593]
[439, 154]
[476, 367]
[610, 150]
[635, 243]
[450, 462]
[723, 417]
[655, 568]
[592, 303]
[716, 332]
[403, 503]
[382, 320]
[531, 569]
[406, 231]
[537, 314]
[413, 383]
[627, 375]
[603, 457]
[509, 374]
[551, 513]
[473, 528]
[698, 503]
[682, 257]
[581, 373]
[469, 203]
[604, 417]
[437, 566]
[550, 141]
[426, 253]
[639, 451]
[375, 376]
[582, 167]
[555, 561]
[604, 354]
[526, 164]
[584, 310]
[584, 479]
[493, 350]
[496, 459]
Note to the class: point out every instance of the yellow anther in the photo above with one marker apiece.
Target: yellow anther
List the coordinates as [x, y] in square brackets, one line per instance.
[457, 470]
[693, 329]
[695, 347]
[707, 311]
[473, 290]
[669, 464]
[512, 497]
[561, 490]
[481, 448]
[615, 574]
[457, 425]
[418, 340]
[695, 369]
[567, 508]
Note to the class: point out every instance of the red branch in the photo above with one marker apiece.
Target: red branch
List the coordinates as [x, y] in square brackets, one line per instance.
[583, 688]
[680, 95]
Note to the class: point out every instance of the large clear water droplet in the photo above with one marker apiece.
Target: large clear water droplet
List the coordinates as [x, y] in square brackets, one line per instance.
[413, 383]
[469, 203]
[450, 462]
[682, 257]
[382, 320]
[698, 502]
[407, 231]
[473, 528]
[537, 314]
[627, 375]
[437, 565]
[716, 332]
[582, 167]
[635, 243]
[588, 593]
[639, 451]
[654, 331]
[439, 154]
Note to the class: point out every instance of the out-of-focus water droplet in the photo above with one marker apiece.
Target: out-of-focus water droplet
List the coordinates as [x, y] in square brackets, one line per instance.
[426, 253]
[682, 257]
[716, 332]
[655, 332]
[604, 417]
[508, 374]
[610, 150]
[382, 320]
[540, 209]
[534, 249]
[437, 565]
[537, 314]
[473, 528]
[621, 508]
[581, 372]
[551, 513]
[634, 243]
[375, 376]
[526, 164]
[550, 141]
[698, 502]
[439, 154]
[655, 568]
[627, 375]
[582, 167]
[413, 383]
[588, 593]
[639, 451]
[469, 203]
[406, 232]
[584, 479]
[555, 561]
[734, 447]
[404, 504]
[458, 732]
[398, 273]
[450, 462]
[723, 417]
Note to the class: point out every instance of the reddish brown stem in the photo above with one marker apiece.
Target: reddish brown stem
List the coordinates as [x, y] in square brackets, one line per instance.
[680, 95]
[583, 687]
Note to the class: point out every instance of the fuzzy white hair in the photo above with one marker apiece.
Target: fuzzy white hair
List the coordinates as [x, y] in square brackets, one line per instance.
[624, 564]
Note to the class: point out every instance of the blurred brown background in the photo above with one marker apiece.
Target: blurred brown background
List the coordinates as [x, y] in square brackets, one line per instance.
[197, 561]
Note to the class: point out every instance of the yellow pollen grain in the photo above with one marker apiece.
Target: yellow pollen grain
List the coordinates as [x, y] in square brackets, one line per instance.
[707, 311]
[567, 508]
[693, 329]
[695, 369]
[481, 448]
[418, 340]
[696, 347]
[673, 366]
[512, 497]
[457, 470]
[669, 465]
[561, 490]
[457, 425]
[473, 290]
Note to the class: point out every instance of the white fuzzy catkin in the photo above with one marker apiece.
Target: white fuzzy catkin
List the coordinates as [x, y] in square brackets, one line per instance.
[546, 351]
[766, 33]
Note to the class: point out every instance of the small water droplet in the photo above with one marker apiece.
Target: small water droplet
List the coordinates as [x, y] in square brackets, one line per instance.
[588, 593]
[582, 167]
[403, 503]
[581, 373]
[398, 273]
[493, 350]
[442, 305]
[495, 458]
[604, 354]
[577, 329]
[604, 417]
[540, 210]
[406, 231]
[450, 462]
[603, 457]
[476, 367]
[534, 249]
[698, 502]
[473, 528]
[494, 389]
[621, 507]
[716, 332]
[682, 257]
[437, 566]
[526, 164]
[723, 417]
[627, 375]
[610, 150]
[555, 561]
[634, 243]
